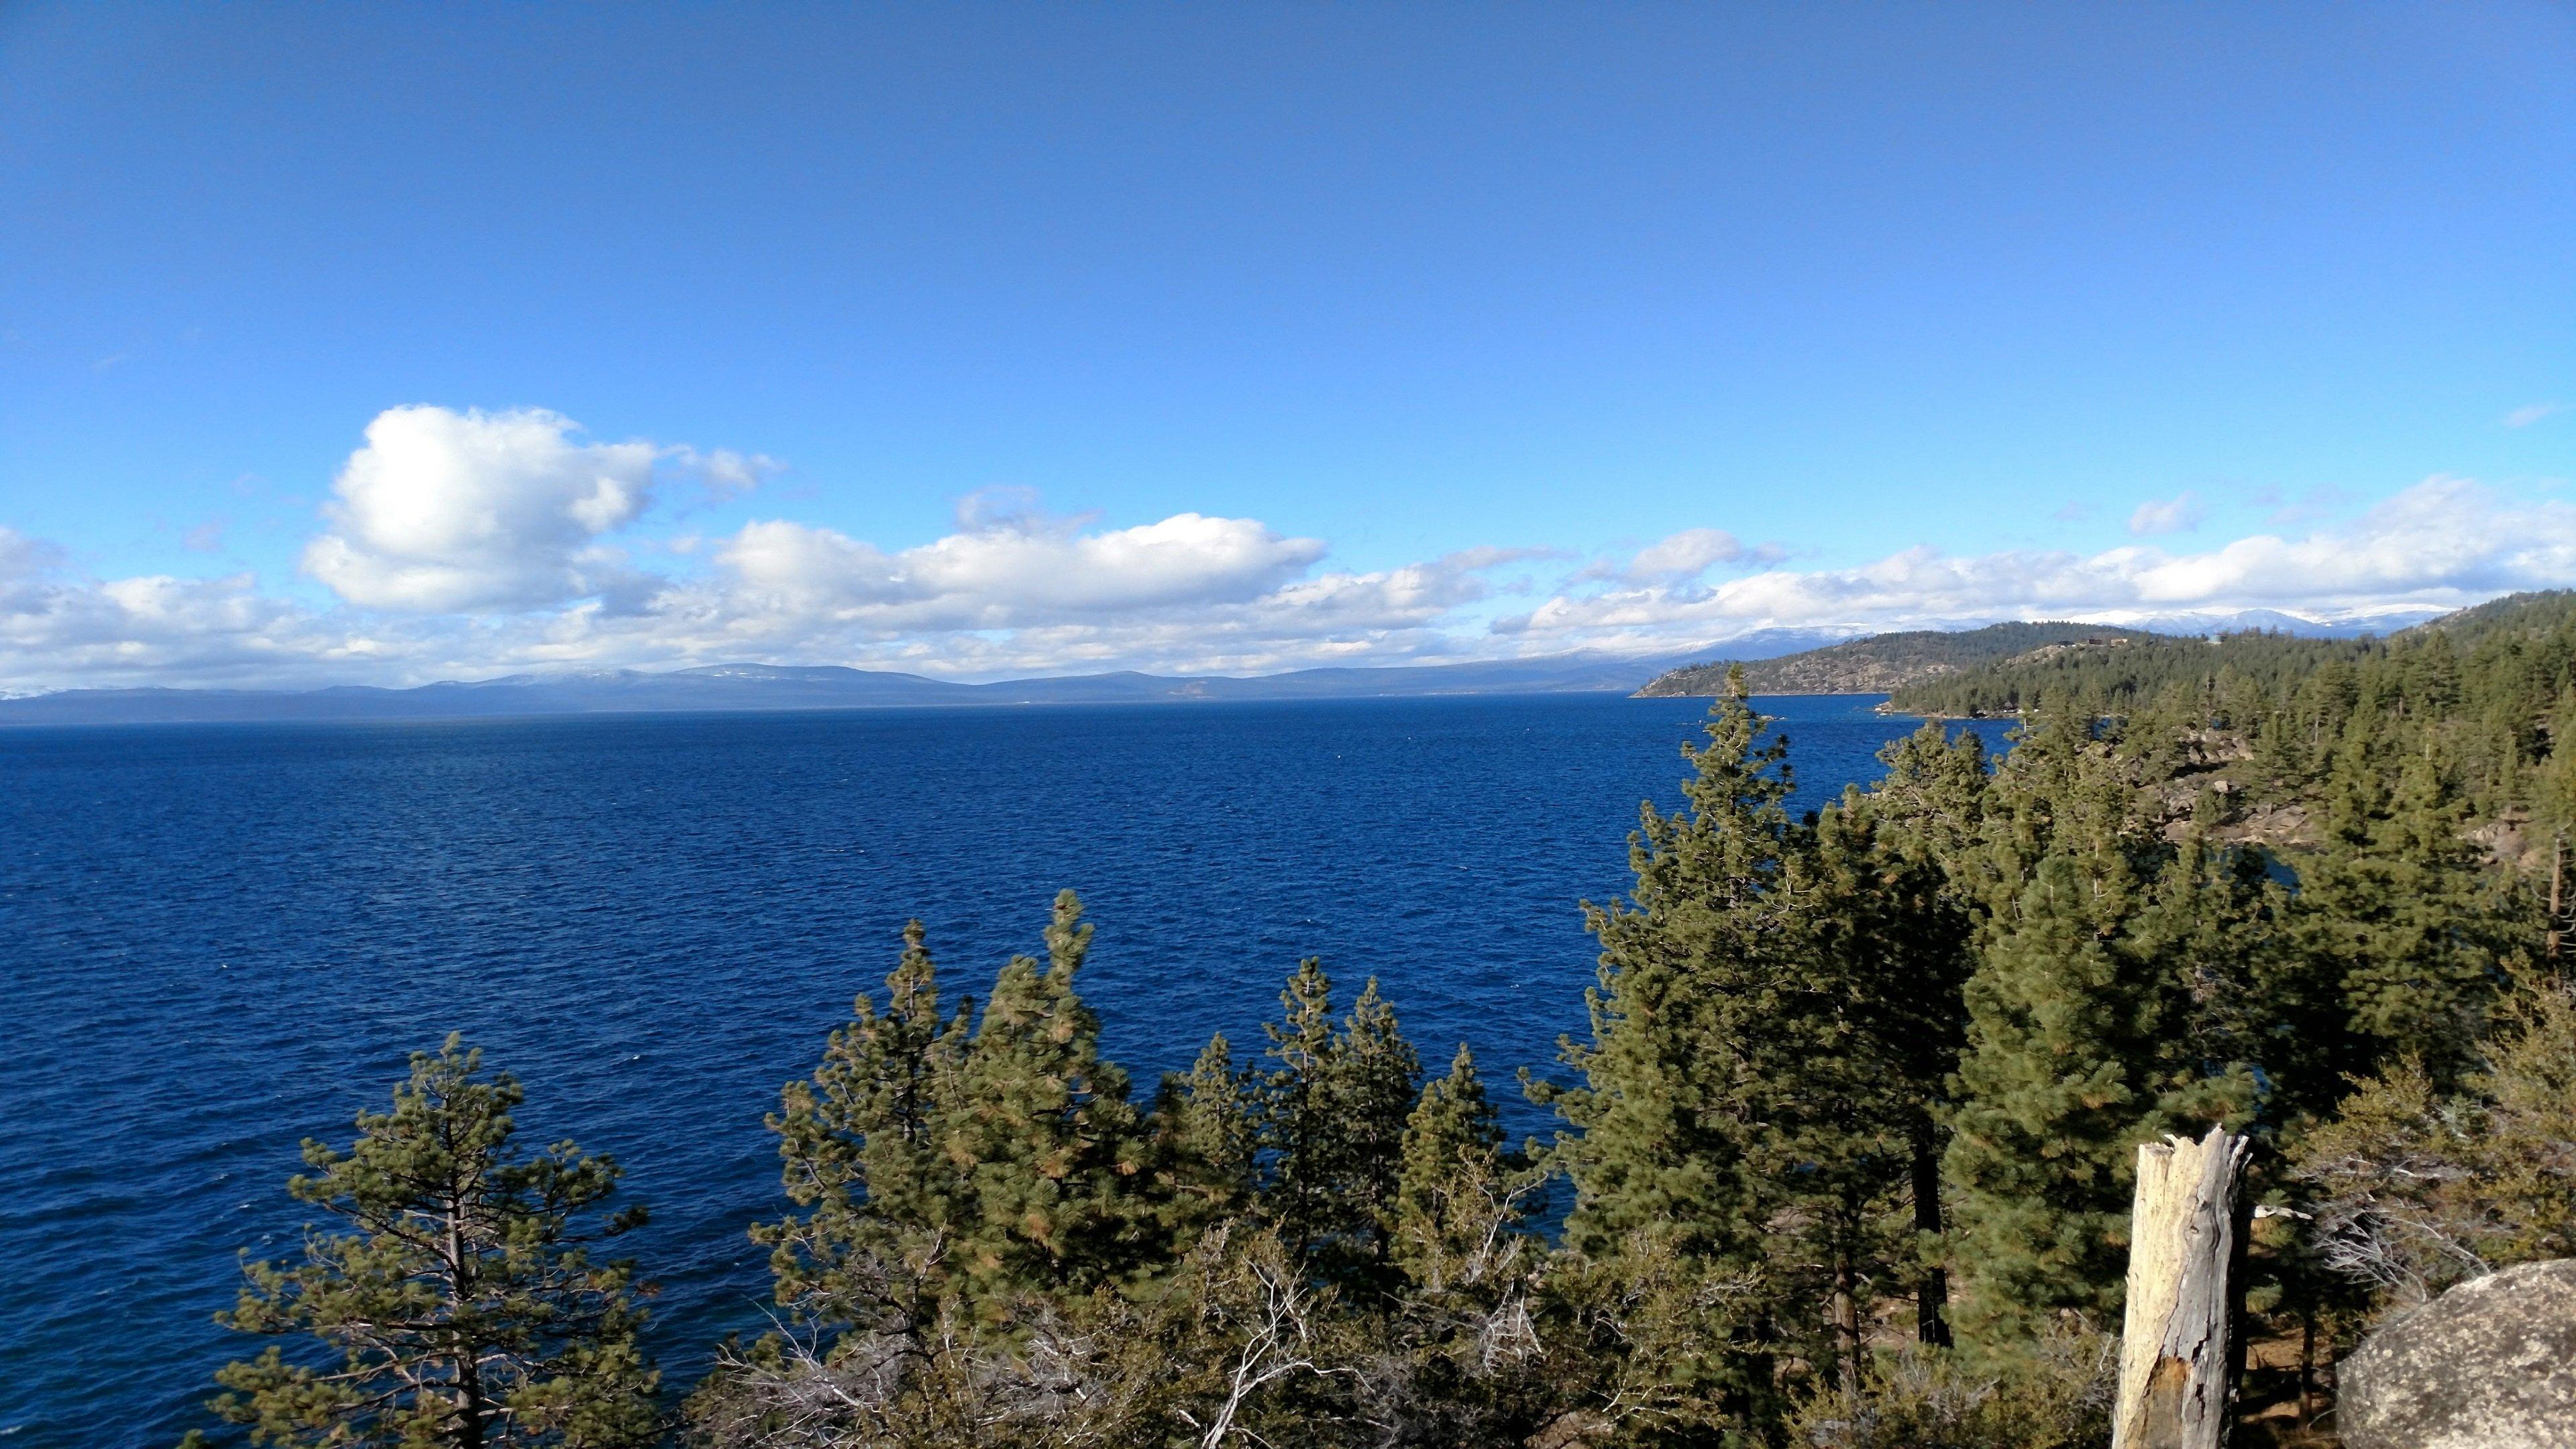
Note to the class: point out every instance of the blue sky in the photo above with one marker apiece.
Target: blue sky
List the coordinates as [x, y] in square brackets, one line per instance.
[393, 343]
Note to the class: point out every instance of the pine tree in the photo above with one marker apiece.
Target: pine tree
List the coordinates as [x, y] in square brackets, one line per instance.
[2553, 786]
[983, 1205]
[2429, 988]
[2416, 1189]
[2061, 791]
[461, 1302]
[1302, 1144]
[1931, 803]
[863, 1158]
[1375, 1076]
[1482, 1345]
[2208, 958]
[1452, 1151]
[1901, 895]
[1710, 1001]
[1689, 968]
[2393, 901]
[1206, 1145]
[1854, 1135]
[1827, 1110]
[1043, 1128]
[1332, 1124]
[2053, 1108]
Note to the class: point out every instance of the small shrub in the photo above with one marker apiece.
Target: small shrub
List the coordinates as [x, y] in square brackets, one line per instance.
[2057, 1395]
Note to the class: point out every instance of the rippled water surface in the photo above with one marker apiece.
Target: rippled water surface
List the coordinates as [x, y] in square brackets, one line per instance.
[218, 940]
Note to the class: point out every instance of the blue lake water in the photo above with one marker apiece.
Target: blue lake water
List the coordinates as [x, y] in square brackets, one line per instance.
[218, 940]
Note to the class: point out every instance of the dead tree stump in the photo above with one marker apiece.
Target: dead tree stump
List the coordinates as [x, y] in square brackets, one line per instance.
[2186, 1233]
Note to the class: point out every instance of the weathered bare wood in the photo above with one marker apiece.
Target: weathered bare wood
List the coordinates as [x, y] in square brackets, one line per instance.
[2177, 1376]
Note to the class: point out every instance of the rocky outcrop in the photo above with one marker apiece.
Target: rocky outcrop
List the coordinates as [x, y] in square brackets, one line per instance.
[2489, 1365]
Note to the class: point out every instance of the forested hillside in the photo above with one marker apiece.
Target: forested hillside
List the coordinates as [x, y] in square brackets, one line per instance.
[1842, 1161]
[1883, 662]
[2513, 652]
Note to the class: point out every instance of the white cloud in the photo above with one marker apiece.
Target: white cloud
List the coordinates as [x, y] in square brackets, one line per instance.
[1016, 591]
[2443, 543]
[722, 472]
[444, 511]
[977, 605]
[1014, 573]
[1680, 558]
[2178, 514]
[24, 562]
[2529, 413]
[1684, 555]
[462, 544]
[58, 629]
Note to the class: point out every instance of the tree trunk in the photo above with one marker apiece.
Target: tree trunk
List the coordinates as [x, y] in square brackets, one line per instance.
[2177, 1367]
[1846, 1315]
[1932, 1296]
[2307, 1365]
[2557, 871]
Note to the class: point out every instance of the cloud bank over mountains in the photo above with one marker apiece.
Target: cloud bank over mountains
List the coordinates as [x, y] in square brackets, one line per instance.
[463, 544]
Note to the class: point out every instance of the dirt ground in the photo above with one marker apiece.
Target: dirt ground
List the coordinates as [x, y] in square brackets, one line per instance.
[2273, 1414]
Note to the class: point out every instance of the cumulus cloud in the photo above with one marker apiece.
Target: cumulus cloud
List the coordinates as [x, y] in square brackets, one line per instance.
[2178, 514]
[979, 605]
[446, 511]
[59, 628]
[1014, 571]
[466, 543]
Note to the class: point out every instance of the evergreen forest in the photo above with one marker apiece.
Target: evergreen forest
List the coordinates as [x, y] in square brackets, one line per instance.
[1841, 1160]
[1878, 663]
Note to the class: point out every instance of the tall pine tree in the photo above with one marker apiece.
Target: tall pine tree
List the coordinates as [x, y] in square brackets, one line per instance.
[1303, 1147]
[1714, 1023]
[1690, 968]
[2059, 1087]
[1331, 1127]
[883, 1203]
[2393, 899]
[1043, 1129]
[1376, 1074]
[1902, 896]
[1207, 1144]
[1452, 1168]
[460, 1307]
[1874, 1041]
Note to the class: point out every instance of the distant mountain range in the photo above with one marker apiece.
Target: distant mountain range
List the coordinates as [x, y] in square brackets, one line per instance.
[1778, 661]
[2353, 626]
[760, 687]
